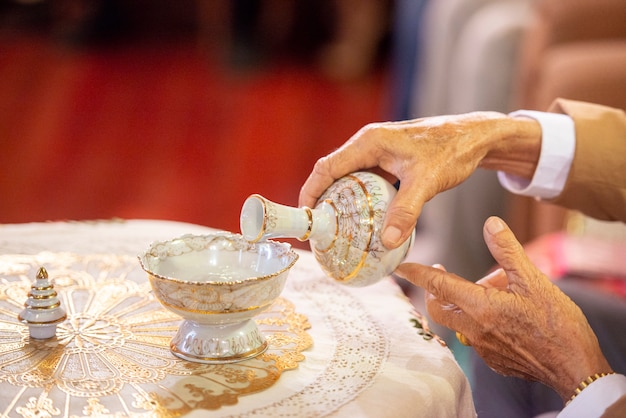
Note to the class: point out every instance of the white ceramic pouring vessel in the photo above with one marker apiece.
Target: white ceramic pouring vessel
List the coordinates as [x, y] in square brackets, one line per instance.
[343, 229]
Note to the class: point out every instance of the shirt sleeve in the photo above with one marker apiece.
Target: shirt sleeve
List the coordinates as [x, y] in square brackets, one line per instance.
[558, 142]
[596, 398]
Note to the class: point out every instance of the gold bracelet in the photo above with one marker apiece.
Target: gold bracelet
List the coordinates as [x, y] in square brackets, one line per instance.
[589, 380]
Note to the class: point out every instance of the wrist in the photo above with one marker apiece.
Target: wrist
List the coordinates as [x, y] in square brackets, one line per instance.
[516, 147]
[584, 383]
[572, 375]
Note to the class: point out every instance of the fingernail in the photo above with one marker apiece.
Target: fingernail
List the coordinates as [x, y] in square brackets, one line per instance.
[494, 225]
[439, 266]
[494, 273]
[391, 235]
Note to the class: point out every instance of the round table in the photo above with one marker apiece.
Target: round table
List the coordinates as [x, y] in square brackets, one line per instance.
[338, 351]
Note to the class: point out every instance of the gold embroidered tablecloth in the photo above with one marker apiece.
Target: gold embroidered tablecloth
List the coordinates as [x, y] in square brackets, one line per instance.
[111, 356]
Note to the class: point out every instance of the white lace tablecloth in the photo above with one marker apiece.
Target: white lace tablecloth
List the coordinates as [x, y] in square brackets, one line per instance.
[367, 358]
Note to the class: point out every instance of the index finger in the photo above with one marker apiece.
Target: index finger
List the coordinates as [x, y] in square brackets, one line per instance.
[441, 284]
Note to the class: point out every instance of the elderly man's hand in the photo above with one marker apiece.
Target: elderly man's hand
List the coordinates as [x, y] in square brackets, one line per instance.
[428, 156]
[515, 318]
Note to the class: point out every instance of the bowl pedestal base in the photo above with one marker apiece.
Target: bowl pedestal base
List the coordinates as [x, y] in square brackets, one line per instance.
[218, 344]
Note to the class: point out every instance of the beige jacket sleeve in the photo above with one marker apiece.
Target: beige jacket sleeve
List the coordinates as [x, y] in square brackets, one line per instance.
[596, 184]
[617, 409]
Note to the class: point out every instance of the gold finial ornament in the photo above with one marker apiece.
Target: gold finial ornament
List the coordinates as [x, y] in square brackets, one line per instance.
[42, 310]
[42, 273]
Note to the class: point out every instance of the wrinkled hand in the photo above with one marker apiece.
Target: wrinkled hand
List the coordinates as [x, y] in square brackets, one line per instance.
[515, 318]
[428, 156]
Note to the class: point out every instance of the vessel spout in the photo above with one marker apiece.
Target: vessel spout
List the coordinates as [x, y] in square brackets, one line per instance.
[262, 219]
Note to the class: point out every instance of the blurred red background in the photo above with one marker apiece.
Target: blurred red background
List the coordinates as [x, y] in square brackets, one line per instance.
[159, 121]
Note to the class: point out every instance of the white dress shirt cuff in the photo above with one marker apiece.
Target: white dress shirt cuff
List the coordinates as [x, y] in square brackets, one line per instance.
[558, 142]
[596, 398]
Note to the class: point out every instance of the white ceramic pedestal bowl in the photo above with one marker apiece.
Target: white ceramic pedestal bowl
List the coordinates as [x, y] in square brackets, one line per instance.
[217, 283]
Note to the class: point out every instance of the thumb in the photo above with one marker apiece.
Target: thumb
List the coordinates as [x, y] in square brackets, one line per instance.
[402, 214]
[509, 254]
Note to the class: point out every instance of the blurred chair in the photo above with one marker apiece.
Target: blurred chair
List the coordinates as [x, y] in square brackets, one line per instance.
[441, 29]
[484, 61]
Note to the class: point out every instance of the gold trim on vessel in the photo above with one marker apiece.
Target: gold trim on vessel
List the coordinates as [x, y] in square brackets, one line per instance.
[309, 227]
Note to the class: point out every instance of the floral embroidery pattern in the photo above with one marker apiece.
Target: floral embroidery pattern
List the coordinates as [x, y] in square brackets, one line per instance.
[111, 355]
